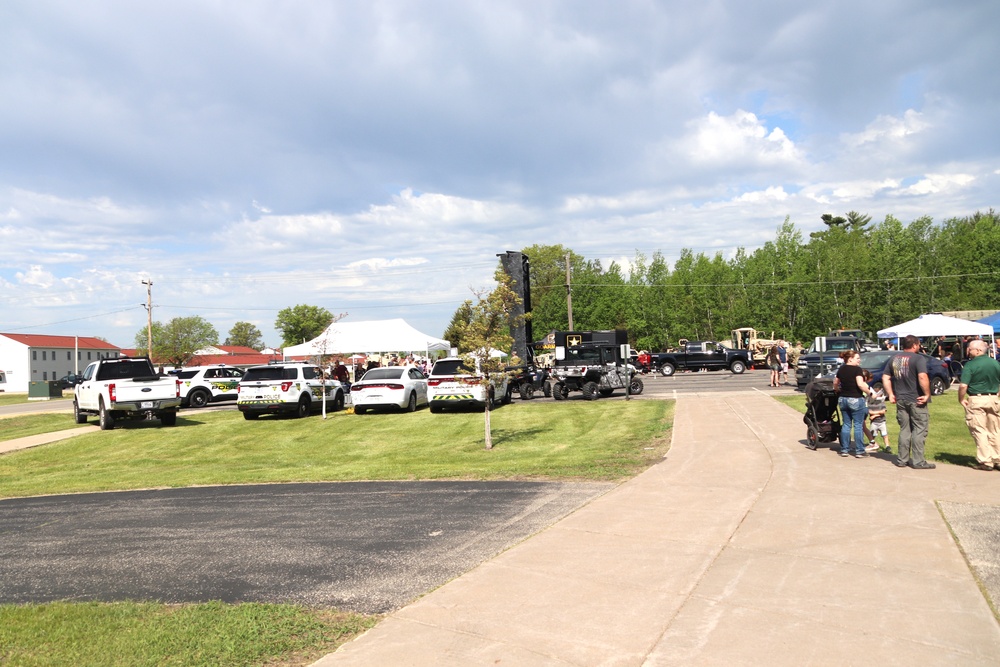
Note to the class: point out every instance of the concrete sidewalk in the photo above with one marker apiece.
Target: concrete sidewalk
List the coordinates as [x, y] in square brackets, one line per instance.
[44, 438]
[741, 548]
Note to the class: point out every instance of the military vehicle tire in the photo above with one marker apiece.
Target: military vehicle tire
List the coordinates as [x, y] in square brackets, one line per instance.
[589, 390]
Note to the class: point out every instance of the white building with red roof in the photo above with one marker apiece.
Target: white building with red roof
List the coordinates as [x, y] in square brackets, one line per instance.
[26, 358]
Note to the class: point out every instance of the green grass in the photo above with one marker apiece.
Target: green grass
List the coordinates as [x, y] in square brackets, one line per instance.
[138, 634]
[13, 399]
[602, 440]
[948, 438]
[21, 426]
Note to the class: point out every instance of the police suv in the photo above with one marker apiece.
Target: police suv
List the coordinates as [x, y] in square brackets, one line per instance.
[200, 385]
[287, 388]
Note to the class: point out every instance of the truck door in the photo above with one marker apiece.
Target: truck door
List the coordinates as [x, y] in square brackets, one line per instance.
[696, 357]
[716, 355]
[87, 391]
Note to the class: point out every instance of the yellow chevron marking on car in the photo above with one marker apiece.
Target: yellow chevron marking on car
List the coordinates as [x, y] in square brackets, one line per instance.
[455, 397]
[255, 402]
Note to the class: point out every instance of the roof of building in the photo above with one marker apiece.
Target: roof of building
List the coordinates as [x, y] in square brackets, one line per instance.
[45, 340]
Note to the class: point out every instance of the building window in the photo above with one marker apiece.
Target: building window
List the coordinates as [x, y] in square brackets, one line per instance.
[43, 355]
[34, 355]
[45, 374]
[88, 355]
[69, 355]
[79, 355]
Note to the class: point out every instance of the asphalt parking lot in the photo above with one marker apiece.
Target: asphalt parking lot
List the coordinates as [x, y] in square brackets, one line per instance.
[363, 546]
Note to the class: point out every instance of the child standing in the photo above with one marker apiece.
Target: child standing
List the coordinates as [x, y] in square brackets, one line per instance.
[876, 413]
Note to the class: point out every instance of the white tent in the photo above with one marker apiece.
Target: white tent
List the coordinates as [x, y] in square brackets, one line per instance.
[373, 336]
[934, 324]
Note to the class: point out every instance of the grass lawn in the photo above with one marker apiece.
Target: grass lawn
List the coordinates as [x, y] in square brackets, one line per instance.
[12, 399]
[21, 426]
[138, 634]
[602, 440]
[948, 438]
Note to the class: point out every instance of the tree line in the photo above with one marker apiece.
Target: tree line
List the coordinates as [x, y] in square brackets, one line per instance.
[852, 274]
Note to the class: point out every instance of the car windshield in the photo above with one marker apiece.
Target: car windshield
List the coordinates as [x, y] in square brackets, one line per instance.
[384, 374]
[266, 373]
[449, 367]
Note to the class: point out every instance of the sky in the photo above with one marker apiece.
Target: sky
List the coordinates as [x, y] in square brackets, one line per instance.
[373, 157]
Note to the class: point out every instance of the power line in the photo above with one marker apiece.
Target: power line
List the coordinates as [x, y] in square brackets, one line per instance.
[76, 319]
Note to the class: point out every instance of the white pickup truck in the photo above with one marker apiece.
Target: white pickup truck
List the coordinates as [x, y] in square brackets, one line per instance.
[125, 388]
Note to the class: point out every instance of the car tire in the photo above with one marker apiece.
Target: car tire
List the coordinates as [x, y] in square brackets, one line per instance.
[938, 386]
[547, 389]
[303, 408]
[667, 369]
[589, 390]
[738, 368]
[635, 387]
[78, 417]
[168, 418]
[250, 416]
[433, 408]
[508, 396]
[107, 420]
[360, 409]
[526, 391]
[411, 404]
[199, 398]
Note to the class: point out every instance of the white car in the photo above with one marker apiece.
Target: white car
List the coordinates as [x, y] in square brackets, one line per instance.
[452, 384]
[404, 387]
[200, 385]
[287, 388]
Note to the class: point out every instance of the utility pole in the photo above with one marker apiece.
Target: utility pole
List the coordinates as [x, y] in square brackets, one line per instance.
[569, 294]
[149, 318]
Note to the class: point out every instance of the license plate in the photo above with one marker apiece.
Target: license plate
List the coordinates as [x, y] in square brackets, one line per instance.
[375, 396]
[146, 405]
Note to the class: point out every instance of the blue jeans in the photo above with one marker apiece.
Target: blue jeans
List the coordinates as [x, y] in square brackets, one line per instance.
[853, 411]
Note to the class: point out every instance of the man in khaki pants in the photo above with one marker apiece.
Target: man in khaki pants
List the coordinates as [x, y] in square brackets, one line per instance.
[977, 393]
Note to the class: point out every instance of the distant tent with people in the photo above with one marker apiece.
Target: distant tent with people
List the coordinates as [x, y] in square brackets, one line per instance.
[394, 335]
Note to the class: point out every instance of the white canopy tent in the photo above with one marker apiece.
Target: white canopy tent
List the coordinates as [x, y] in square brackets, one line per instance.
[372, 336]
[934, 324]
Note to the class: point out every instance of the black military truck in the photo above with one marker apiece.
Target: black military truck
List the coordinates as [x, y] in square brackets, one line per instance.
[594, 363]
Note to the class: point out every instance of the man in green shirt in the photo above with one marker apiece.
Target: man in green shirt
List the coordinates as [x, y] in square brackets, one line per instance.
[978, 394]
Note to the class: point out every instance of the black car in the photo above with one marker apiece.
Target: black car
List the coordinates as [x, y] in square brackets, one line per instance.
[937, 372]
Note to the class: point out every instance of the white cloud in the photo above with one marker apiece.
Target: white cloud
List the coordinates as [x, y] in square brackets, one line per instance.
[938, 183]
[889, 129]
[739, 138]
[773, 193]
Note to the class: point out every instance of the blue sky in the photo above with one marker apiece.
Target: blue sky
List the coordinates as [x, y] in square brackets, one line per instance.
[373, 157]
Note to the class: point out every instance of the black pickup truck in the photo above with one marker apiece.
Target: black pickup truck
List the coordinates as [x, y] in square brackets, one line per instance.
[699, 354]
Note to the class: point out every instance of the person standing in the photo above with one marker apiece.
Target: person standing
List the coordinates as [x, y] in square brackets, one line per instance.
[908, 387]
[853, 388]
[783, 358]
[773, 364]
[978, 393]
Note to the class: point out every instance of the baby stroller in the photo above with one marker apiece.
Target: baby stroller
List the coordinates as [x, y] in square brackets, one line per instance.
[822, 418]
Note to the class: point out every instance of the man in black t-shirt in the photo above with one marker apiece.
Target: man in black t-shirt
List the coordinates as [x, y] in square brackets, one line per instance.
[907, 385]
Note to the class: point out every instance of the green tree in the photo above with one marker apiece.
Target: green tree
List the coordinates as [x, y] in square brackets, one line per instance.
[176, 341]
[302, 323]
[488, 329]
[245, 334]
[459, 323]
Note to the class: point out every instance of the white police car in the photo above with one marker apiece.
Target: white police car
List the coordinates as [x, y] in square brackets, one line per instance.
[291, 388]
[200, 385]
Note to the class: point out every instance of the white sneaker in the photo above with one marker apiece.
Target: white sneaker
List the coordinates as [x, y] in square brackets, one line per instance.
[871, 448]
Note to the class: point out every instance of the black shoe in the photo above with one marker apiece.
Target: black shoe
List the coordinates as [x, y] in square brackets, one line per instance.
[923, 465]
[982, 466]
[899, 464]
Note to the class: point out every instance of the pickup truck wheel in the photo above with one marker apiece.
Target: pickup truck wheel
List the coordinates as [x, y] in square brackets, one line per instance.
[589, 390]
[198, 398]
[526, 391]
[169, 418]
[302, 409]
[738, 367]
[635, 386]
[938, 386]
[667, 369]
[106, 419]
[78, 417]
